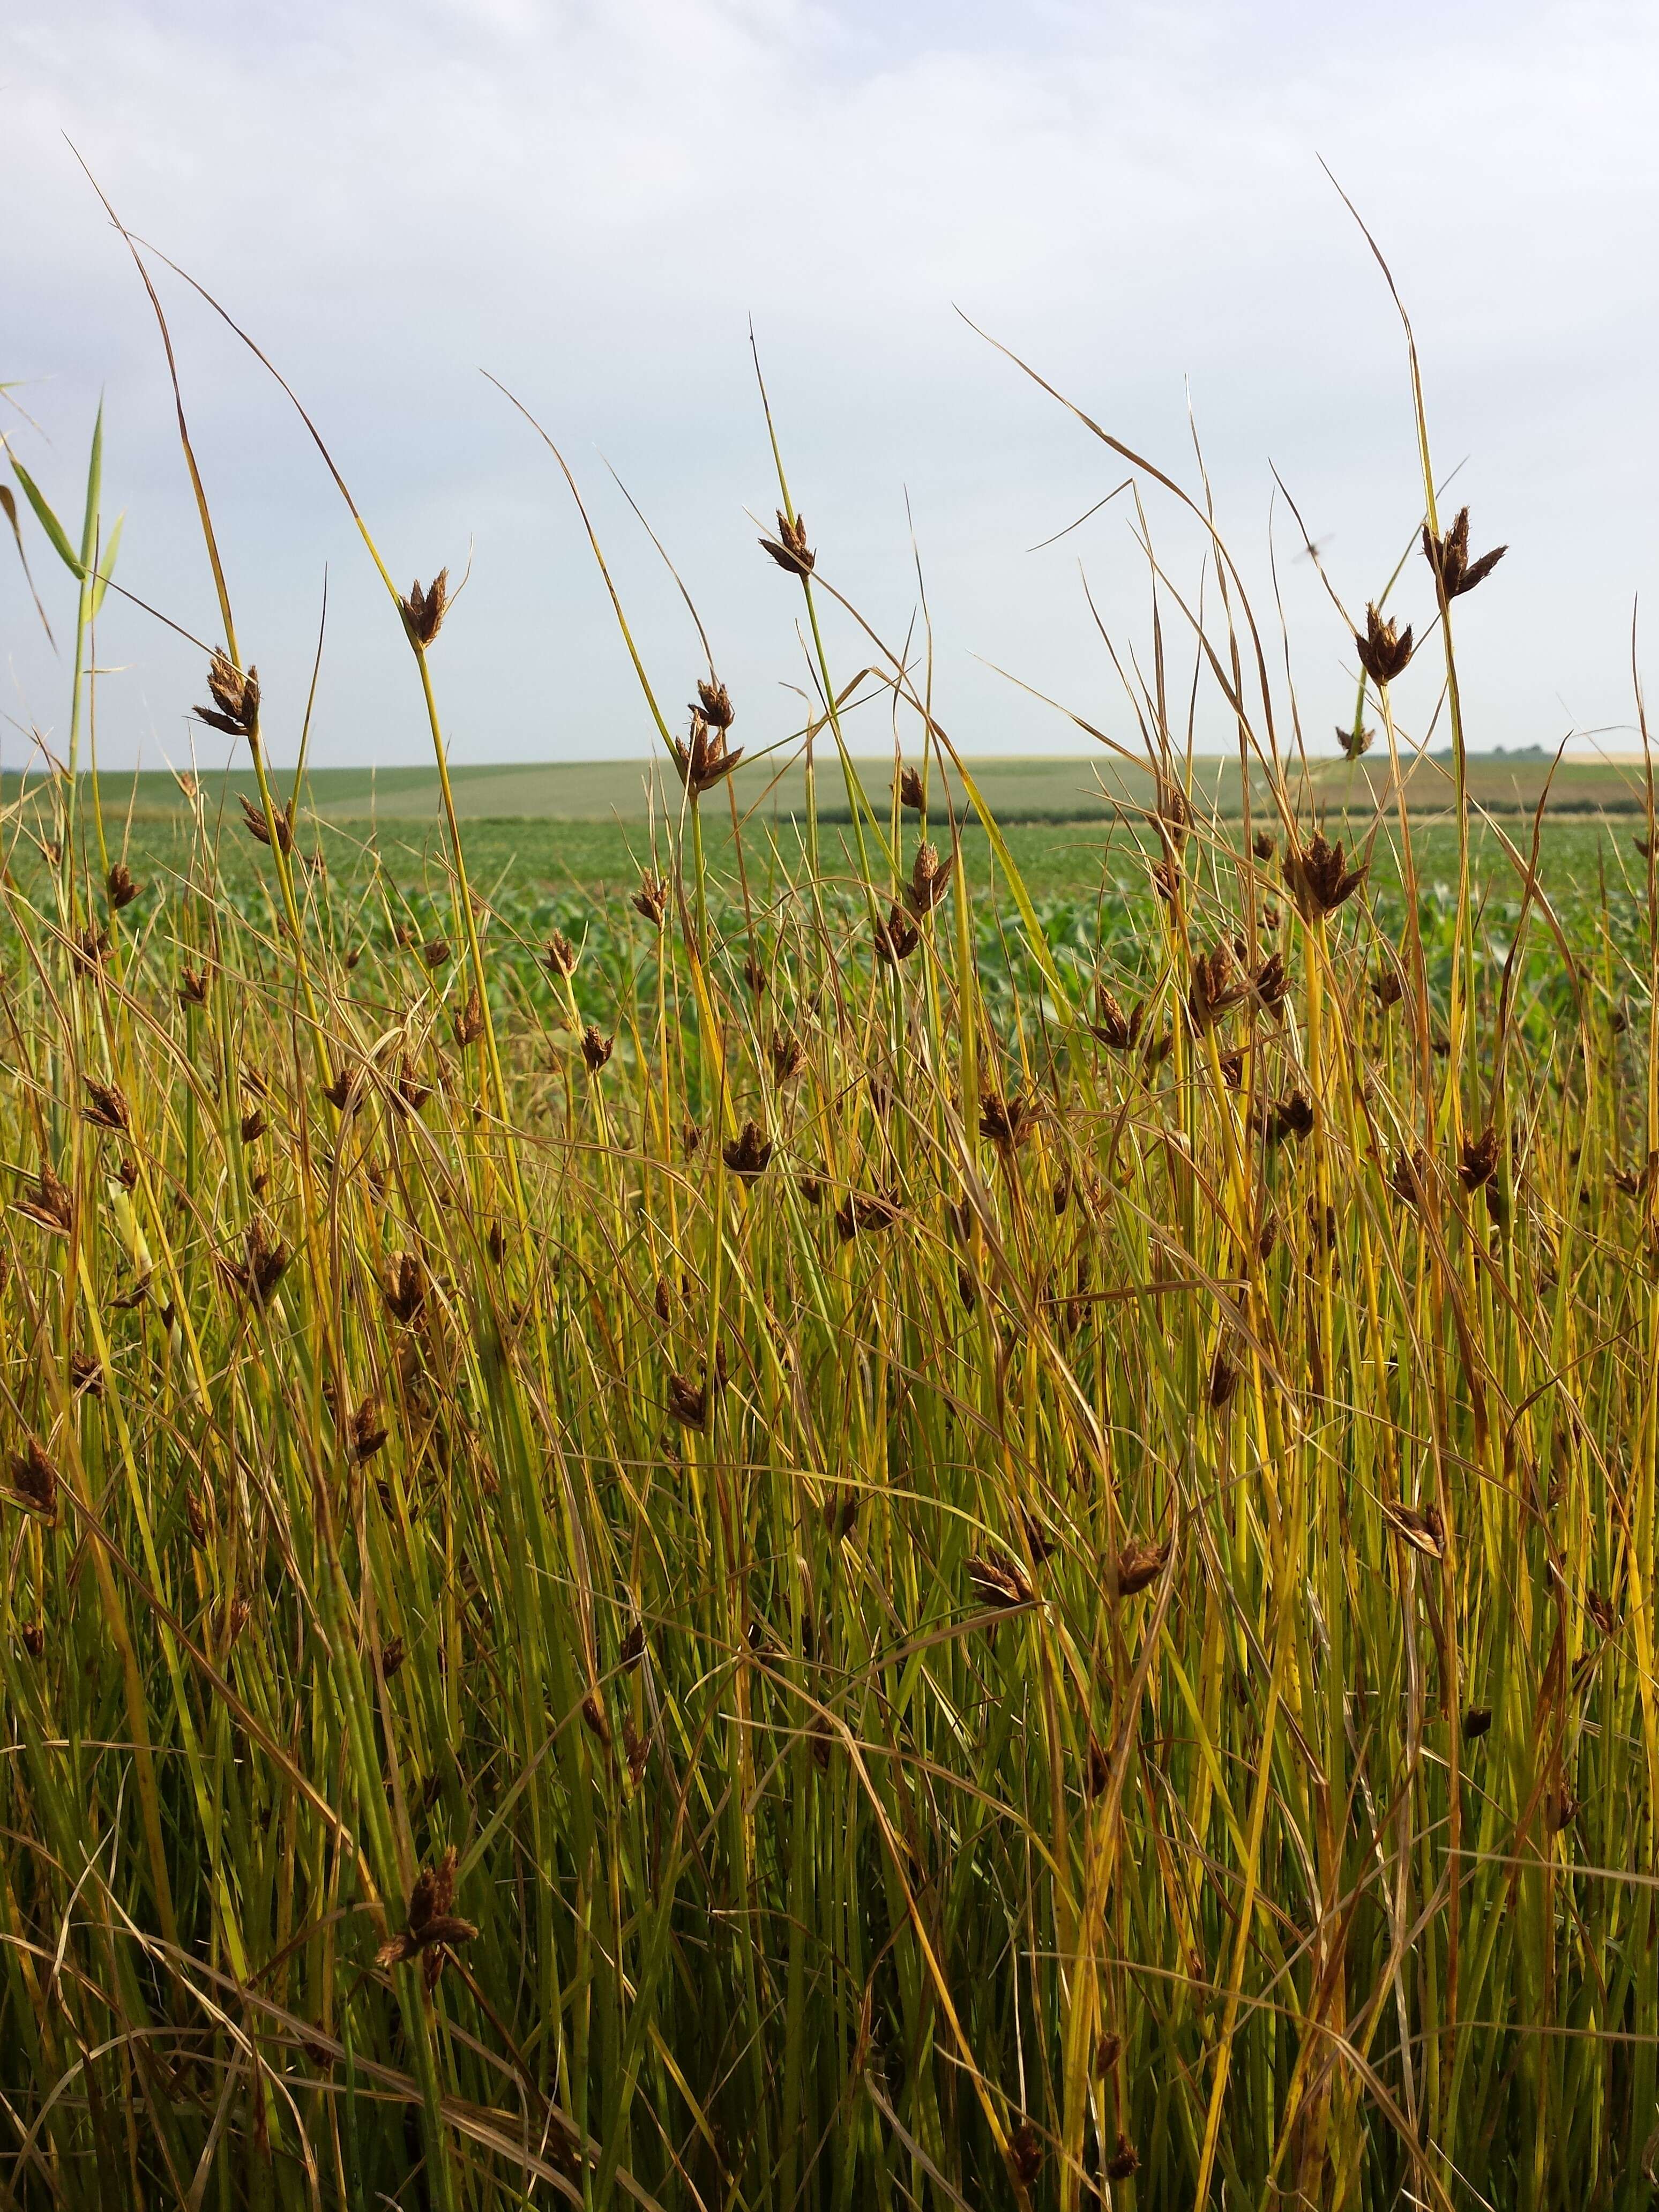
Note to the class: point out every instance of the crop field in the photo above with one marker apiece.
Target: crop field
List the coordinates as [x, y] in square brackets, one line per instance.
[847, 1499]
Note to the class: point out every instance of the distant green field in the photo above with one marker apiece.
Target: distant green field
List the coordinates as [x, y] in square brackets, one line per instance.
[1077, 787]
[1074, 828]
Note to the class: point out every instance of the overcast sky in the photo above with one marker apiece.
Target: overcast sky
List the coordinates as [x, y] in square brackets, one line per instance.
[592, 201]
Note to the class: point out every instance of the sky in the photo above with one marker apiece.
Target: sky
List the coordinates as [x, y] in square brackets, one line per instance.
[595, 201]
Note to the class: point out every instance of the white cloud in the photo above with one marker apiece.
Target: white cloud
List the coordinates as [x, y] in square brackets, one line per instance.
[593, 199]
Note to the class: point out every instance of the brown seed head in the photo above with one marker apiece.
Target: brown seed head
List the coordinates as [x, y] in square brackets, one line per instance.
[1317, 880]
[1124, 2161]
[910, 790]
[235, 709]
[999, 1582]
[423, 612]
[1115, 1028]
[705, 758]
[651, 900]
[787, 1054]
[1025, 2154]
[1270, 984]
[1449, 556]
[597, 1048]
[470, 1020]
[1355, 741]
[789, 549]
[192, 988]
[393, 1652]
[50, 1203]
[930, 879]
[88, 949]
[897, 938]
[106, 1106]
[714, 704]
[593, 1714]
[1264, 844]
[747, 1153]
[1476, 1722]
[34, 1482]
[253, 1126]
[1139, 1565]
[33, 1634]
[1166, 880]
[436, 952]
[404, 1287]
[258, 828]
[862, 1212]
[688, 1402]
[1215, 988]
[1291, 1117]
[1006, 1121]
[559, 955]
[1479, 1161]
[120, 886]
[1224, 1381]
[1423, 1532]
[366, 1434]
[256, 1274]
[1387, 988]
[1384, 650]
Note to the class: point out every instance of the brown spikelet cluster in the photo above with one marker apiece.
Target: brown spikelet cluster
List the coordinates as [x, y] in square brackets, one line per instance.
[192, 988]
[714, 704]
[366, 1431]
[688, 1402]
[1270, 984]
[862, 1212]
[405, 1288]
[1355, 739]
[748, 1152]
[469, 1021]
[1318, 879]
[789, 548]
[1384, 651]
[1424, 1531]
[999, 1582]
[911, 793]
[106, 1106]
[254, 821]
[651, 899]
[1137, 1566]
[897, 938]
[1115, 1028]
[235, 709]
[119, 886]
[49, 1202]
[423, 612]
[930, 879]
[559, 956]
[1291, 1117]
[1007, 1122]
[1478, 1160]
[1449, 556]
[786, 1052]
[597, 1048]
[1215, 988]
[706, 758]
[431, 1926]
[260, 1268]
[34, 1482]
